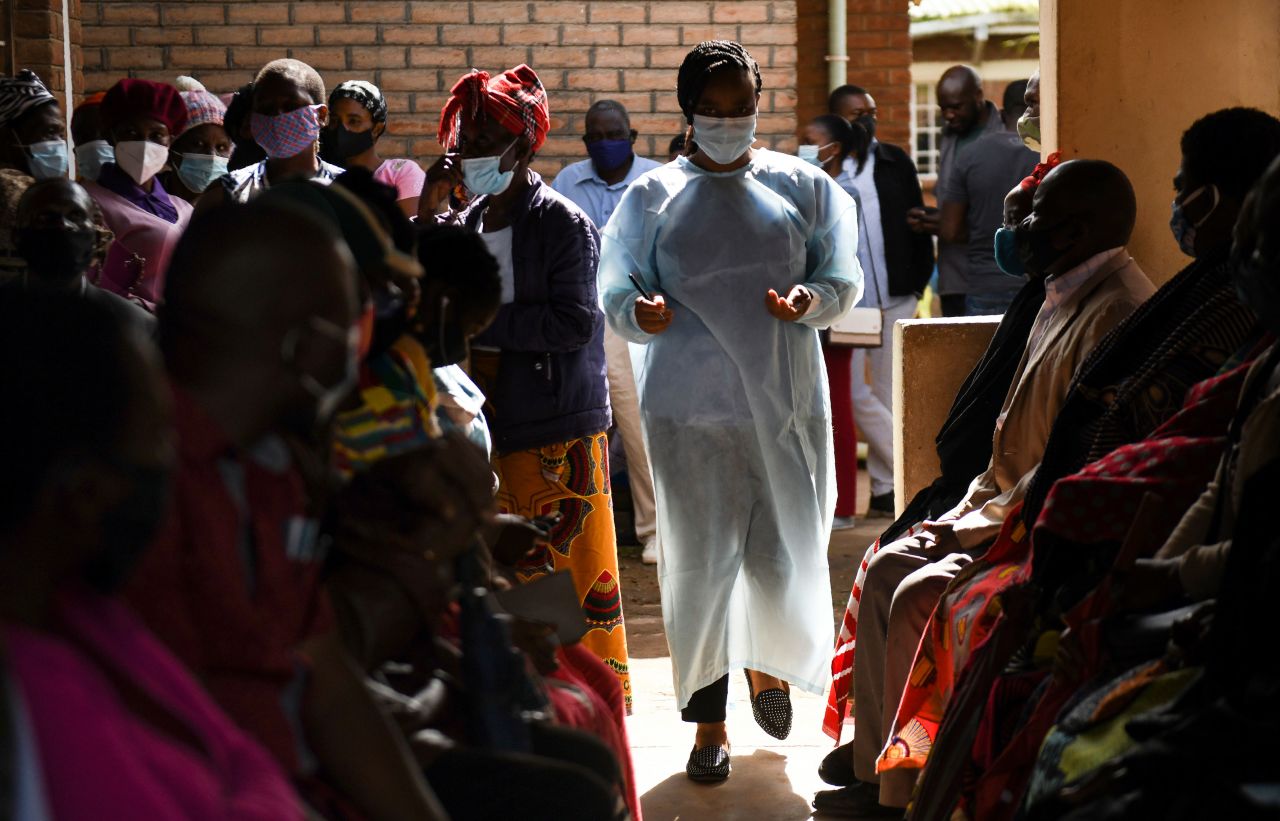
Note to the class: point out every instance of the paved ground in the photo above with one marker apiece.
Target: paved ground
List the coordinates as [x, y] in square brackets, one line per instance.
[772, 780]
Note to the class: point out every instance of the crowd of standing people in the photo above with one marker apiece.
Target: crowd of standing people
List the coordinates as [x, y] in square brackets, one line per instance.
[309, 510]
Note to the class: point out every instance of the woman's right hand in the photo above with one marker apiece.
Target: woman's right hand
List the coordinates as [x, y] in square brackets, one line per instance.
[442, 177]
[652, 315]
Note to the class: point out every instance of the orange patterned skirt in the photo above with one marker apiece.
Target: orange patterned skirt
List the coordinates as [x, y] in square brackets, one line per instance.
[572, 479]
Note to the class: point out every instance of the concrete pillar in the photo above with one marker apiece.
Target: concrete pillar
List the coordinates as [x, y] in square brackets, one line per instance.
[933, 357]
[1121, 81]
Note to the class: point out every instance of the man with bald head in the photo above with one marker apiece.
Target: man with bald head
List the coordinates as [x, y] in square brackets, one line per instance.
[259, 337]
[59, 232]
[1081, 218]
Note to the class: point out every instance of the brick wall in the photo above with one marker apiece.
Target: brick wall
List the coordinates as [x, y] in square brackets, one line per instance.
[414, 51]
[879, 46]
[38, 45]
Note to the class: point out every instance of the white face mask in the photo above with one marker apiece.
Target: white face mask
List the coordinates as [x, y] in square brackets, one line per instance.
[724, 139]
[141, 159]
[481, 175]
[812, 153]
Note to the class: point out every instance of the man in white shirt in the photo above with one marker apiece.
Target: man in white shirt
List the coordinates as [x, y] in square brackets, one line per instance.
[596, 185]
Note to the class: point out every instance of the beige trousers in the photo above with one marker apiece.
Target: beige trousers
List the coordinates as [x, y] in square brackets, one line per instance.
[626, 413]
[903, 584]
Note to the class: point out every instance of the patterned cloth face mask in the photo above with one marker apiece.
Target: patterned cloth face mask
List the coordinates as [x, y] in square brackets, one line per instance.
[288, 134]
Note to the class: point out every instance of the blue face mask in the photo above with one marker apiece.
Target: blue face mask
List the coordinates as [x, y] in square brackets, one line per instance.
[199, 171]
[482, 177]
[1007, 257]
[48, 159]
[812, 154]
[91, 156]
[608, 155]
[1184, 230]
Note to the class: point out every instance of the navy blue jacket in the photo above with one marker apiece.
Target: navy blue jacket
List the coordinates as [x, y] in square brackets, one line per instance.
[552, 385]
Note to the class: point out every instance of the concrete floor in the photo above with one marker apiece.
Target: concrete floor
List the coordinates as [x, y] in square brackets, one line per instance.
[772, 780]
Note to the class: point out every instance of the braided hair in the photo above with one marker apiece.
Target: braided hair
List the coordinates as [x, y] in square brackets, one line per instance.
[706, 59]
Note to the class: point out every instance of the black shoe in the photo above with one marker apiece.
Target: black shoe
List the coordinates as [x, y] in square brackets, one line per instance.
[881, 507]
[771, 709]
[708, 765]
[837, 768]
[859, 801]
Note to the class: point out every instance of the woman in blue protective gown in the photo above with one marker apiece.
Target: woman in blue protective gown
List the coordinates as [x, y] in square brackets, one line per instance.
[743, 254]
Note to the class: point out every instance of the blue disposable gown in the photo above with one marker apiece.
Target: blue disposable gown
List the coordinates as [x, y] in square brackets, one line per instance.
[735, 406]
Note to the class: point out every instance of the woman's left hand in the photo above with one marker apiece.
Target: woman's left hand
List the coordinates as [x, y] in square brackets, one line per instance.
[793, 307]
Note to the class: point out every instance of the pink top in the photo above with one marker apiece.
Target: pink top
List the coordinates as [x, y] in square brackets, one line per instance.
[100, 758]
[406, 176]
[142, 233]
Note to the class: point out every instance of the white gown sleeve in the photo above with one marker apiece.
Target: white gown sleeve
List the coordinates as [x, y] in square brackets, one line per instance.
[835, 277]
[626, 247]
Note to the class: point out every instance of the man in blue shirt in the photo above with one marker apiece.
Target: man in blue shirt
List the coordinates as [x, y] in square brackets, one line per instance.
[596, 185]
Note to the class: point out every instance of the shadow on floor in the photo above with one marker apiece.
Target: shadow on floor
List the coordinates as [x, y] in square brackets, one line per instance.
[759, 788]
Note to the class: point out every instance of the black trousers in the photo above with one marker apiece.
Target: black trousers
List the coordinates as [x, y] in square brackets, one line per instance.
[707, 706]
[952, 304]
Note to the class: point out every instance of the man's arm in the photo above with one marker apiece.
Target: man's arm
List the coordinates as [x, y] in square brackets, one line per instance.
[952, 226]
[359, 749]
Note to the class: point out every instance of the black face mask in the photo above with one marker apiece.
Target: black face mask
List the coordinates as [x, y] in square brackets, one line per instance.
[55, 255]
[127, 529]
[390, 321]
[337, 145]
[868, 124]
[1258, 286]
[1035, 249]
[446, 343]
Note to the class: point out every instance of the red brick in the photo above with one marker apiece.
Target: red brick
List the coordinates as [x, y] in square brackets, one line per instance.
[328, 57]
[40, 24]
[493, 58]
[439, 11]
[554, 11]
[107, 35]
[397, 103]
[667, 57]
[618, 57]
[777, 123]
[654, 123]
[471, 35]
[378, 57]
[571, 101]
[529, 34]
[775, 78]
[594, 80]
[129, 57]
[673, 11]
[572, 57]
[365, 35]
[867, 39]
[692, 35]
[783, 56]
[738, 12]
[286, 36]
[177, 14]
[499, 11]
[782, 100]
[253, 58]
[412, 80]
[409, 34]
[91, 58]
[258, 13]
[226, 35]
[603, 35]
[611, 12]
[564, 145]
[783, 12]
[318, 11]
[413, 124]
[379, 12]
[438, 57]
[649, 80]
[168, 36]
[780, 34]
[130, 14]
[650, 35]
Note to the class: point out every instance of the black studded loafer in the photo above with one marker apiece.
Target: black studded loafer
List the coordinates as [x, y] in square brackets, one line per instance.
[708, 765]
[772, 709]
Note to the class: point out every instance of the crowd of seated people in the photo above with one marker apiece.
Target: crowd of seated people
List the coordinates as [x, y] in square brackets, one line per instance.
[255, 546]
[1061, 633]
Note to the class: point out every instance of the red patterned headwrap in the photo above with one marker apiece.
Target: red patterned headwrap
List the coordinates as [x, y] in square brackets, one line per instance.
[516, 99]
[1041, 170]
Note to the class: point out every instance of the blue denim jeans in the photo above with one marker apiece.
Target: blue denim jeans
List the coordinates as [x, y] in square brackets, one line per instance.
[992, 304]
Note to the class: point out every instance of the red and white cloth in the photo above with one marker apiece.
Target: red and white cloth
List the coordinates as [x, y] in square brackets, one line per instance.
[516, 99]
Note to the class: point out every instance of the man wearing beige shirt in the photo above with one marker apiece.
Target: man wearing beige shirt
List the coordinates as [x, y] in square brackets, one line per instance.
[1082, 216]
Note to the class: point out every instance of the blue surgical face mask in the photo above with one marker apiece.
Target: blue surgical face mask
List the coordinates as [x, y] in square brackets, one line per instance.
[1006, 250]
[91, 156]
[199, 171]
[1184, 230]
[812, 154]
[48, 159]
[724, 139]
[482, 177]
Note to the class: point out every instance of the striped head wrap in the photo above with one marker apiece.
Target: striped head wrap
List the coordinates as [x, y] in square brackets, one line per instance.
[364, 93]
[21, 94]
[516, 99]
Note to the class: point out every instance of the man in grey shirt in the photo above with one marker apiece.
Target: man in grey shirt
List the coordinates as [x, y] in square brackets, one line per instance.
[972, 198]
